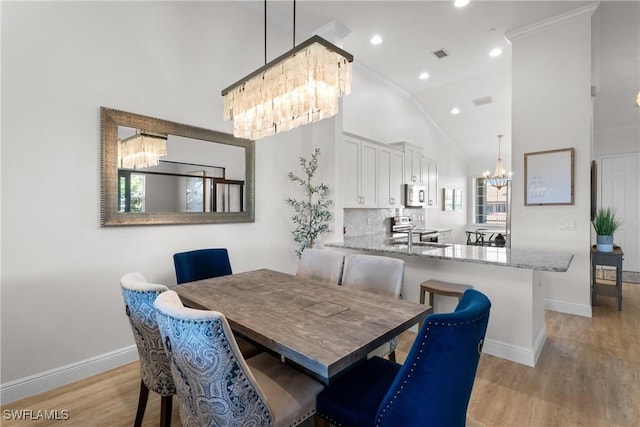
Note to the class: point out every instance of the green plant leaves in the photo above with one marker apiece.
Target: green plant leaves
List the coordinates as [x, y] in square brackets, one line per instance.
[310, 216]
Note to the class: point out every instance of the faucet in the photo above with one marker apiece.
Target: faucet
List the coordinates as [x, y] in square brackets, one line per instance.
[410, 238]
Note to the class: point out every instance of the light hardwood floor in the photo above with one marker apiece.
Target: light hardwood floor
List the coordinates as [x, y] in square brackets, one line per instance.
[588, 375]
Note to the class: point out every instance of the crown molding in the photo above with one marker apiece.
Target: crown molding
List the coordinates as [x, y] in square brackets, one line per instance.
[551, 23]
[372, 75]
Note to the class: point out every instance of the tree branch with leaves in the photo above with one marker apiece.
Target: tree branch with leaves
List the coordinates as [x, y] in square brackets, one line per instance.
[311, 215]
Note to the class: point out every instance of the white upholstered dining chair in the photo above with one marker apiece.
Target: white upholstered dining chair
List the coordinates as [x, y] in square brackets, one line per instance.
[216, 386]
[324, 265]
[378, 274]
[155, 372]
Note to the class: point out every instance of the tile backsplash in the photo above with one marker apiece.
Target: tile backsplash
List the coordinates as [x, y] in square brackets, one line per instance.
[367, 221]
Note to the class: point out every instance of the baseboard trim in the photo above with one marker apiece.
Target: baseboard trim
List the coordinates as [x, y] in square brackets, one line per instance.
[515, 353]
[568, 307]
[48, 380]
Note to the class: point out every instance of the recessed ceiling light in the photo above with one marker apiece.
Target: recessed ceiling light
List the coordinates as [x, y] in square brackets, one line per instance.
[461, 3]
[496, 51]
[455, 110]
[376, 39]
[424, 75]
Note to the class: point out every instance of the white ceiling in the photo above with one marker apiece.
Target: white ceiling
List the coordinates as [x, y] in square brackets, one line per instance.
[412, 30]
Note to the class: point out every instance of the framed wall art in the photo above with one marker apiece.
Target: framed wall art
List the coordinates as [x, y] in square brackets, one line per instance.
[549, 177]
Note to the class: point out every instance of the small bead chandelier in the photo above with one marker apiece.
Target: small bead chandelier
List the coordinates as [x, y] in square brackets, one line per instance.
[302, 86]
[142, 150]
[500, 177]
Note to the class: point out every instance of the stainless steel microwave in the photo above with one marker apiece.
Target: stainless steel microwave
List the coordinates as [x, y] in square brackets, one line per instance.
[414, 196]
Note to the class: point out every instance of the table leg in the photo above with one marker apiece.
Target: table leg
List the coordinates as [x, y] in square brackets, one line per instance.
[619, 285]
[593, 285]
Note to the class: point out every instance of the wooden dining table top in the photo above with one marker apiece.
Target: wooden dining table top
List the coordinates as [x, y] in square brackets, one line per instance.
[321, 328]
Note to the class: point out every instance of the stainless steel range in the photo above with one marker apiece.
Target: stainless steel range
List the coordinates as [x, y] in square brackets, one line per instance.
[404, 225]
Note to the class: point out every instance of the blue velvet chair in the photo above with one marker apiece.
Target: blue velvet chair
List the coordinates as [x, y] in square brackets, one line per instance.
[155, 371]
[431, 388]
[201, 264]
[216, 386]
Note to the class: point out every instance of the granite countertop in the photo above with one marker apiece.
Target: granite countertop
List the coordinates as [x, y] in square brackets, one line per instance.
[505, 257]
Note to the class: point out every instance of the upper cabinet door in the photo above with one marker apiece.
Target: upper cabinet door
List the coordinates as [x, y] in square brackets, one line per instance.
[390, 176]
[430, 173]
[384, 178]
[369, 174]
[416, 172]
[360, 173]
[351, 172]
[397, 176]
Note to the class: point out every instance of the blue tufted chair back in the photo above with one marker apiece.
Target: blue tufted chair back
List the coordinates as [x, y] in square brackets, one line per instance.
[139, 296]
[215, 387]
[434, 385]
[201, 264]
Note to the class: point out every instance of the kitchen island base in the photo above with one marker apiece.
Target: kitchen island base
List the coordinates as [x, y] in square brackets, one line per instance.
[517, 330]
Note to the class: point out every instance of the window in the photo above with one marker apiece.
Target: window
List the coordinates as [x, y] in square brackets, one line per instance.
[131, 189]
[489, 203]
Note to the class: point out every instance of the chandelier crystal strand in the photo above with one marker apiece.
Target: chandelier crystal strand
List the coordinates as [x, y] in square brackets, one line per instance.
[303, 88]
[142, 150]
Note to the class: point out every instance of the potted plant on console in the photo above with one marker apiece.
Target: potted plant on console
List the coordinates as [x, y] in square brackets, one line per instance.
[605, 224]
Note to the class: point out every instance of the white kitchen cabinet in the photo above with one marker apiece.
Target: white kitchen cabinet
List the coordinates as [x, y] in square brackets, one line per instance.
[413, 167]
[430, 181]
[360, 173]
[390, 176]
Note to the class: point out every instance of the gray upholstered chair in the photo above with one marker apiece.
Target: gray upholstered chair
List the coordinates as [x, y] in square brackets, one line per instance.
[324, 265]
[155, 371]
[379, 274]
[216, 386]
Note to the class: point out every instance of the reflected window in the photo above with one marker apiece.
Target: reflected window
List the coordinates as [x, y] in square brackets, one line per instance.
[131, 192]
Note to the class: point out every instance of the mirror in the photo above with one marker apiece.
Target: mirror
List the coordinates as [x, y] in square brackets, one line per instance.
[189, 175]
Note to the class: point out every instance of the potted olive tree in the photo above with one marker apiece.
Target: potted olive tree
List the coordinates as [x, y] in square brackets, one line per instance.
[605, 224]
[311, 214]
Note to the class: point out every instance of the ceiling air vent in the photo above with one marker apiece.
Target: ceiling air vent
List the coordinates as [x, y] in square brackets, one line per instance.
[482, 101]
[441, 53]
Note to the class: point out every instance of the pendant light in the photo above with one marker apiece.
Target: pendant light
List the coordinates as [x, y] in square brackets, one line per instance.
[302, 86]
[500, 177]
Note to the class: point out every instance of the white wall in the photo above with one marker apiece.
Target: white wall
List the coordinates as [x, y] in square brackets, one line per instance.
[551, 110]
[391, 117]
[61, 300]
[616, 45]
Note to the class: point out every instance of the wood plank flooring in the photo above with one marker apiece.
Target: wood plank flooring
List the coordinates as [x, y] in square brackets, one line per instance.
[588, 375]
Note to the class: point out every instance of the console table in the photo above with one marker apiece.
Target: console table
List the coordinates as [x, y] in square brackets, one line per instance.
[613, 259]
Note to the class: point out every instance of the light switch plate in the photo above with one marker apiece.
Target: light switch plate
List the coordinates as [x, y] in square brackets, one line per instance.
[568, 226]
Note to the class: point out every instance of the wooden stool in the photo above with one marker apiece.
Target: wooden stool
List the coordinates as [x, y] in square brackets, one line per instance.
[439, 287]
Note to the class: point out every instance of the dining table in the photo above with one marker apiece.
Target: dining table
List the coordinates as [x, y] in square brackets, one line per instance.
[322, 329]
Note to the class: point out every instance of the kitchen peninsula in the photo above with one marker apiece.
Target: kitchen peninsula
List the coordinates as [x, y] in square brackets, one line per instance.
[511, 278]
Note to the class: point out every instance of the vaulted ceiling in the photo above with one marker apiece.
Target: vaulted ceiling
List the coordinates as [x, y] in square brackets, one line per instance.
[413, 30]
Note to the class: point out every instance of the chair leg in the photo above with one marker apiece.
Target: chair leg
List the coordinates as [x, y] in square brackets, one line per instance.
[318, 421]
[392, 356]
[166, 406]
[142, 404]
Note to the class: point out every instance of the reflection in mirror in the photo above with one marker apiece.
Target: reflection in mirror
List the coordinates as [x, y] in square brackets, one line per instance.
[160, 172]
[170, 182]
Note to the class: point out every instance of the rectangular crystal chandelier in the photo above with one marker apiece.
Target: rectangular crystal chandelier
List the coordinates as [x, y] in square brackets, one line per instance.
[142, 150]
[302, 86]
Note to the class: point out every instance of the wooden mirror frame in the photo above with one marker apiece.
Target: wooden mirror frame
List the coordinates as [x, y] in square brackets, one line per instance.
[110, 119]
